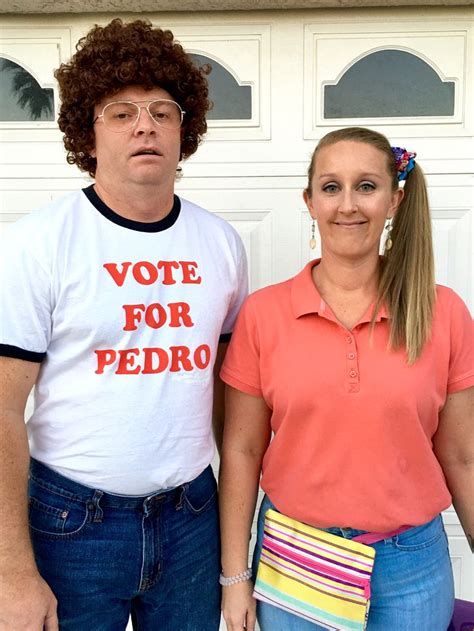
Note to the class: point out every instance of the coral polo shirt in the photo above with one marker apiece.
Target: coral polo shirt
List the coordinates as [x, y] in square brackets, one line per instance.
[352, 422]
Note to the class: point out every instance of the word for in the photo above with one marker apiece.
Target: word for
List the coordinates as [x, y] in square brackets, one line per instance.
[156, 315]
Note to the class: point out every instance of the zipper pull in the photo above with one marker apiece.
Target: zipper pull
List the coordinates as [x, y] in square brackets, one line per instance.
[367, 590]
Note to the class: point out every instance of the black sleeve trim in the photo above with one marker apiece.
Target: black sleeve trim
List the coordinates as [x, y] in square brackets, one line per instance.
[224, 338]
[19, 353]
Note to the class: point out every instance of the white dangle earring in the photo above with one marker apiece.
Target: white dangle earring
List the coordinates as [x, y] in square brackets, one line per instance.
[388, 240]
[312, 241]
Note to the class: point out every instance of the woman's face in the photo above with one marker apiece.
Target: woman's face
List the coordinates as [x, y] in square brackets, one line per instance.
[351, 198]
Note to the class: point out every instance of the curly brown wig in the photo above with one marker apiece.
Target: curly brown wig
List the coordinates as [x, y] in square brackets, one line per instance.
[111, 57]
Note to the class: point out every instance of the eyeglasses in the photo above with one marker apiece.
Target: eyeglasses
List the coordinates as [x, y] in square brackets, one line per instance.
[120, 116]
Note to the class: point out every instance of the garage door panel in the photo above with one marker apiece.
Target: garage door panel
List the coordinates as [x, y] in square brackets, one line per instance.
[452, 235]
[29, 154]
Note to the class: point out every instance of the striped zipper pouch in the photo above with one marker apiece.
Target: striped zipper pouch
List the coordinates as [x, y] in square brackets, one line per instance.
[314, 574]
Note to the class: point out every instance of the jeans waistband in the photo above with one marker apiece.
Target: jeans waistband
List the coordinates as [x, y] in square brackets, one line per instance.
[57, 483]
[351, 533]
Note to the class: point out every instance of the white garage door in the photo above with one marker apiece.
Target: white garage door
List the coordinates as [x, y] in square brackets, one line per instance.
[280, 81]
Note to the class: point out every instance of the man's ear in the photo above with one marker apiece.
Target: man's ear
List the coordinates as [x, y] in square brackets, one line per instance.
[92, 151]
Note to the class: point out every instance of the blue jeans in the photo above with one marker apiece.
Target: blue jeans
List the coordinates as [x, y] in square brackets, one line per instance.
[412, 582]
[106, 557]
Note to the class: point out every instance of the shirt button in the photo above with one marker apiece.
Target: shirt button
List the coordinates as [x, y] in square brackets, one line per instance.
[349, 339]
[353, 373]
[351, 356]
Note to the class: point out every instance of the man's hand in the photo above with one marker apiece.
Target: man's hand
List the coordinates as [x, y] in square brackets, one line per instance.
[27, 603]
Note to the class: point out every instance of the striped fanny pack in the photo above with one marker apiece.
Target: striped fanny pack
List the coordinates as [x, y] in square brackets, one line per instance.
[316, 575]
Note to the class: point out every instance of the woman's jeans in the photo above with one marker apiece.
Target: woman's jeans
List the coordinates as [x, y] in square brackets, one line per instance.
[412, 582]
[107, 557]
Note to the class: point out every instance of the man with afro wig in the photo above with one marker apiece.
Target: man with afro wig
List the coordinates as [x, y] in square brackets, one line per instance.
[118, 302]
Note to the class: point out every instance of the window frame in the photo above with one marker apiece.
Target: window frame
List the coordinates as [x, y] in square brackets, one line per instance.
[48, 47]
[427, 40]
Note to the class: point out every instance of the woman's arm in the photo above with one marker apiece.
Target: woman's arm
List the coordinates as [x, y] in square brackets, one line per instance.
[453, 445]
[246, 437]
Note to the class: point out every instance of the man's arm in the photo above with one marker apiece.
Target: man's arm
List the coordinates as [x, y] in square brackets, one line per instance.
[219, 397]
[26, 601]
[453, 445]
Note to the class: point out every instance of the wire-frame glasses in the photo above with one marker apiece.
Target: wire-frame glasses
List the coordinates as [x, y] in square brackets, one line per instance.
[120, 116]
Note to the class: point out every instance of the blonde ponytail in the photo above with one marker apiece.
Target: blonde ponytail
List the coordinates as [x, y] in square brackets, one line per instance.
[407, 280]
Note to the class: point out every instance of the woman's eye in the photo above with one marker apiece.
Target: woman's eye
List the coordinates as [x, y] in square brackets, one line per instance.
[367, 186]
[330, 188]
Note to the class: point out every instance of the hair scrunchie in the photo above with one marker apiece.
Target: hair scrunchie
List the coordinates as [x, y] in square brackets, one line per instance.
[405, 162]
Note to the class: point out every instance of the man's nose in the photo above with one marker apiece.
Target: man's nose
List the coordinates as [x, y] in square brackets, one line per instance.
[144, 123]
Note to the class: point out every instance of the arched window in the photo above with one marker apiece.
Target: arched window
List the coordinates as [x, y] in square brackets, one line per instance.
[21, 96]
[389, 83]
[232, 101]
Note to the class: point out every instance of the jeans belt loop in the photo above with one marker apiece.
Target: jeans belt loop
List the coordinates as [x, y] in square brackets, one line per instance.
[181, 490]
[98, 514]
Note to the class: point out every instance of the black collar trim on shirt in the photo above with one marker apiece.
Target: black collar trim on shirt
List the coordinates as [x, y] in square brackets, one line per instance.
[140, 226]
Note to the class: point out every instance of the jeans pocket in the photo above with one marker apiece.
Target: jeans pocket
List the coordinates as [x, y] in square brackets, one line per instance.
[53, 515]
[201, 493]
[420, 537]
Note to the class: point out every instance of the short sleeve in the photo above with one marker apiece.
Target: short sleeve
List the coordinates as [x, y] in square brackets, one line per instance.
[461, 361]
[25, 296]
[241, 290]
[241, 367]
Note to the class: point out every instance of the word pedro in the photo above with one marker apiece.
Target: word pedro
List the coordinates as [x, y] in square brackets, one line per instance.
[151, 361]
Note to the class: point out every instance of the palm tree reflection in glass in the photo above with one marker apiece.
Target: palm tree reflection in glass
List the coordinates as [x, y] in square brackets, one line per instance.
[32, 101]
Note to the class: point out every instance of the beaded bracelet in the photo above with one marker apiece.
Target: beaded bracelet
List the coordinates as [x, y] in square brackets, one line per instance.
[238, 578]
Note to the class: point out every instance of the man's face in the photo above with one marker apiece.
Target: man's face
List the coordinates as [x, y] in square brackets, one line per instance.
[122, 158]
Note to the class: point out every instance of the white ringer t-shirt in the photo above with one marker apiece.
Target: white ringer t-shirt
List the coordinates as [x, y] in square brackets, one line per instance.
[126, 318]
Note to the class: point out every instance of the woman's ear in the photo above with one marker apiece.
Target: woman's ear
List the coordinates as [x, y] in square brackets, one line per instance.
[309, 203]
[398, 195]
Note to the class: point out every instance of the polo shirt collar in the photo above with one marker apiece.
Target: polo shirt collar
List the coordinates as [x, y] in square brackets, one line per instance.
[305, 297]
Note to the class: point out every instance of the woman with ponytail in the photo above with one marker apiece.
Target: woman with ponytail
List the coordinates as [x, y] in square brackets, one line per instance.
[349, 392]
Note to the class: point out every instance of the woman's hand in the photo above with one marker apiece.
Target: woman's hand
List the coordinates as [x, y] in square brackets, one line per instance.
[239, 606]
